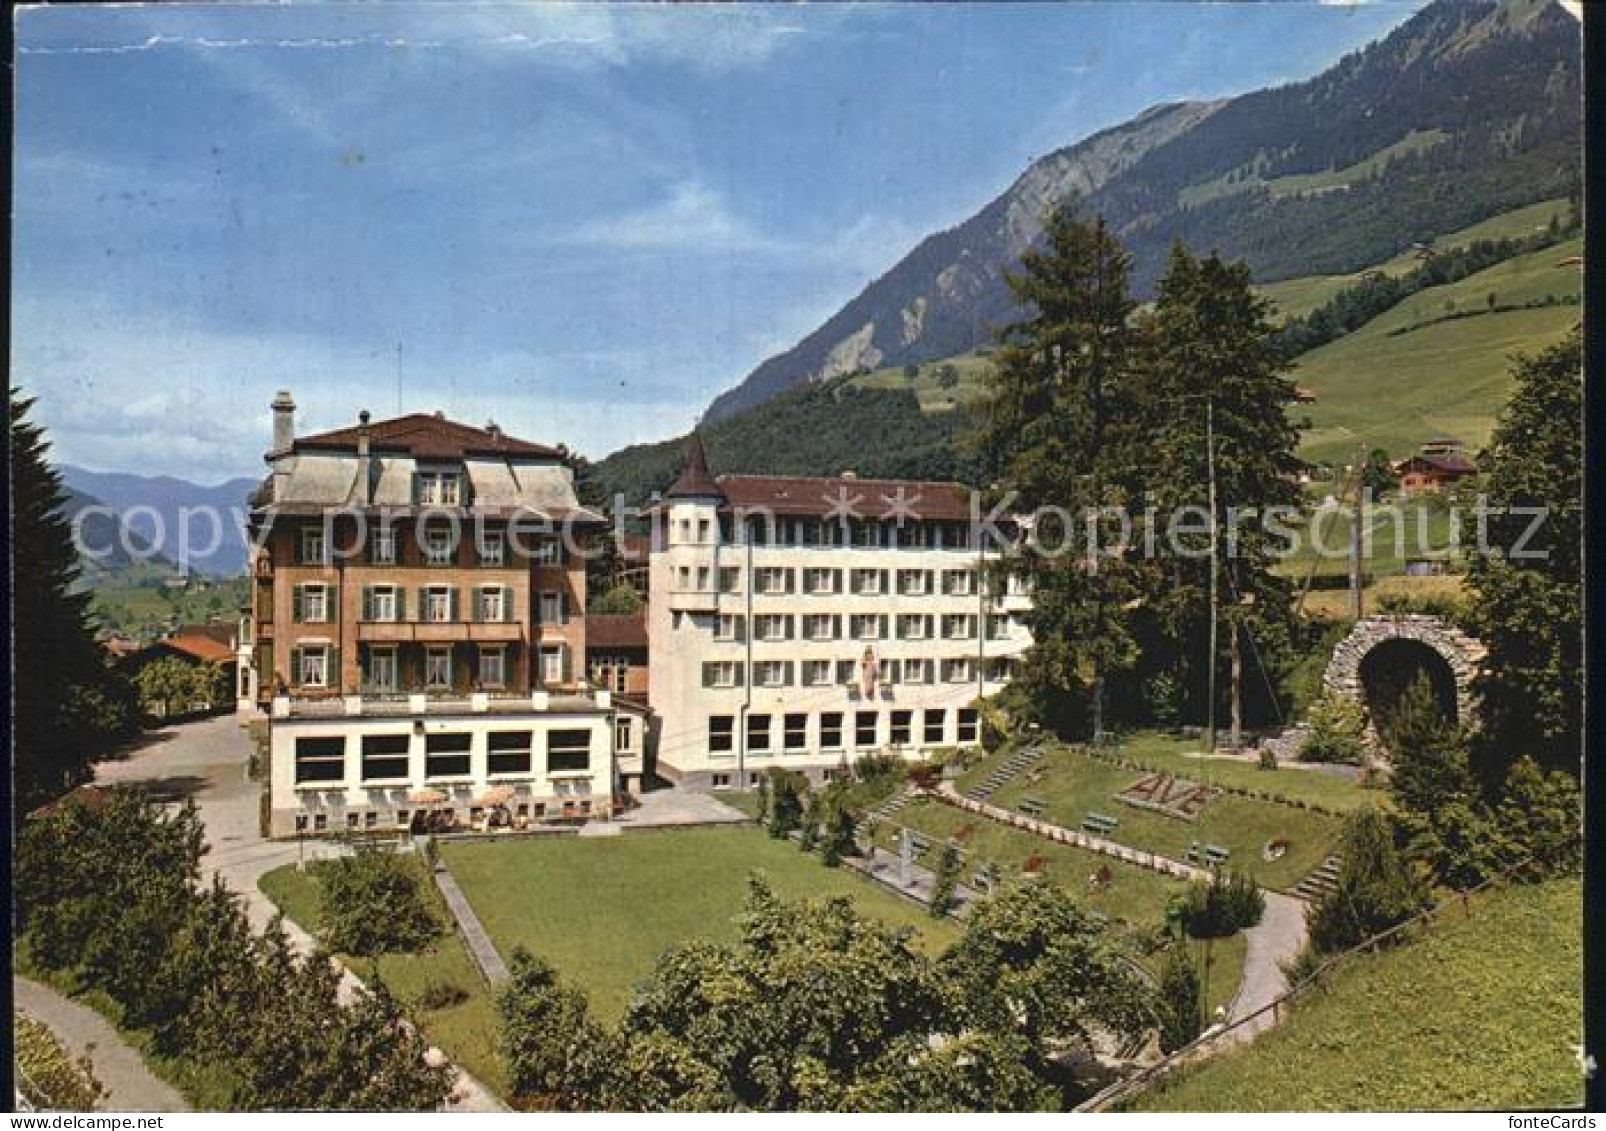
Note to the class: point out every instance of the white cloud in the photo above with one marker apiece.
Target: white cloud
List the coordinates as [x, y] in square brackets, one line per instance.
[690, 216]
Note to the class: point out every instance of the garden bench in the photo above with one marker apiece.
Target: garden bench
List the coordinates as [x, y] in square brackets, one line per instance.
[920, 845]
[1032, 806]
[1099, 823]
[1213, 855]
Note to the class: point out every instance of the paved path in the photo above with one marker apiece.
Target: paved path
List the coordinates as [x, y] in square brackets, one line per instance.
[664, 808]
[474, 932]
[130, 1085]
[209, 761]
[886, 868]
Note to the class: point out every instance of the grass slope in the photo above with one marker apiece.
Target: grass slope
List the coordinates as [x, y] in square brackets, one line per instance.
[603, 910]
[1479, 1012]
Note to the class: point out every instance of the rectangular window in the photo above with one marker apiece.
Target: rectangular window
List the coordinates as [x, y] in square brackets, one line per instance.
[914, 626]
[820, 581]
[816, 673]
[384, 757]
[758, 734]
[917, 671]
[819, 626]
[494, 604]
[382, 669]
[902, 726]
[865, 626]
[958, 626]
[549, 553]
[968, 724]
[720, 781]
[887, 672]
[958, 582]
[771, 673]
[439, 489]
[383, 604]
[934, 727]
[866, 582]
[772, 627]
[438, 547]
[314, 667]
[914, 582]
[703, 578]
[493, 548]
[438, 604]
[568, 751]
[493, 667]
[552, 608]
[722, 673]
[509, 751]
[552, 664]
[320, 760]
[864, 729]
[721, 732]
[773, 580]
[438, 667]
[314, 549]
[315, 604]
[997, 628]
[382, 550]
[958, 671]
[847, 672]
[623, 735]
[795, 736]
[447, 755]
[728, 626]
[831, 730]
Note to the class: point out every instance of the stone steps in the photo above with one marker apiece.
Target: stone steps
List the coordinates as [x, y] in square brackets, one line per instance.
[892, 805]
[1002, 773]
[1321, 881]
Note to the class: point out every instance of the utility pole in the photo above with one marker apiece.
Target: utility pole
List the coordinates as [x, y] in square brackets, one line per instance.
[1355, 535]
[1215, 569]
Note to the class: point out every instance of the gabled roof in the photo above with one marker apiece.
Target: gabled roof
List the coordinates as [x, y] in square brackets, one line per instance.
[1448, 464]
[427, 436]
[203, 642]
[695, 482]
[848, 496]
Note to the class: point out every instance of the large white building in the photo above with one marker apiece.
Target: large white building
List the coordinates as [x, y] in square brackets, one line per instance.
[804, 622]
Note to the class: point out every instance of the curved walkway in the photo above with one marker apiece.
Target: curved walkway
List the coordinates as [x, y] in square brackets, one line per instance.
[130, 1084]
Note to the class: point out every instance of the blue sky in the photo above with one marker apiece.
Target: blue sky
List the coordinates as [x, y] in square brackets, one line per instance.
[582, 222]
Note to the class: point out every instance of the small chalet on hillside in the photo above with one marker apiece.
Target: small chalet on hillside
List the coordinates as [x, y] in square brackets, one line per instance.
[1438, 465]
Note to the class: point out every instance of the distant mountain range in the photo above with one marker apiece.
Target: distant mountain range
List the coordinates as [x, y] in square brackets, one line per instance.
[1468, 109]
[162, 514]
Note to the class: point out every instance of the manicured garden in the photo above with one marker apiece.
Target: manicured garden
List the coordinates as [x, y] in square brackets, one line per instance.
[602, 910]
[1479, 1012]
[1071, 784]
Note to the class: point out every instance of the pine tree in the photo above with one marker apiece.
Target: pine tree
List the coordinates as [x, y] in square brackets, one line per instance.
[1377, 887]
[1213, 373]
[1054, 436]
[1529, 610]
[68, 706]
[1181, 1004]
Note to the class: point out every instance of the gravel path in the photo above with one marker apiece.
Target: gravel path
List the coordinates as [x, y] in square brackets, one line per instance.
[130, 1085]
[1278, 936]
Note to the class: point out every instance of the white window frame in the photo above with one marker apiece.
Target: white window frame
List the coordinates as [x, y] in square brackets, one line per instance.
[769, 673]
[386, 653]
[819, 626]
[429, 597]
[819, 581]
[770, 580]
[817, 673]
[858, 621]
[549, 654]
[493, 548]
[866, 582]
[314, 549]
[438, 548]
[624, 735]
[727, 626]
[307, 592]
[440, 488]
[433, 656]
[498, 654]
[385, 546]
[552, 610]
[958, 670]
[772, 627]
[314, 666]
[493, 604]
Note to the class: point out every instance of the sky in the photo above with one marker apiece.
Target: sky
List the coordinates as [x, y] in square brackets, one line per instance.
[582, 222]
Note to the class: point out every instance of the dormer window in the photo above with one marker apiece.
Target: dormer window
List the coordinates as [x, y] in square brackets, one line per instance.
[440, 488]
[314, 550]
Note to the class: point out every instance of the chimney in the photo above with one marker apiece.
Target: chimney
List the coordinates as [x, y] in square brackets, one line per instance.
[284, 423]
[365, 464]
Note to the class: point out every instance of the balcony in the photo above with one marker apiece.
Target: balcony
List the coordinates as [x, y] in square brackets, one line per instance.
[405, 705]
[440, 632]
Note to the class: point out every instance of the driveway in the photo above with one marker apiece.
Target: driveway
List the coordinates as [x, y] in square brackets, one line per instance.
[209, 761]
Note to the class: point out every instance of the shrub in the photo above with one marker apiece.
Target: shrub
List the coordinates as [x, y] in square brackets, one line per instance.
[1181, 1007]
[1222, 905]
[1377, 886]
[944, 881]
[373, 903]
[1268, 758]
[438, 994]
[787, 788]
[870, 767]
[1336, 725]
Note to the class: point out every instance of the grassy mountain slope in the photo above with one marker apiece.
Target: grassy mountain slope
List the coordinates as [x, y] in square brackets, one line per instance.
[1468, 109]
[1413, 372]
[1480, 1012]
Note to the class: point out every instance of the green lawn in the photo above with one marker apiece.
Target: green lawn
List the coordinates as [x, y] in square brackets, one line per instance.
[467, 1032]
[602, 910]
[1479, 1012]
[1073, 784]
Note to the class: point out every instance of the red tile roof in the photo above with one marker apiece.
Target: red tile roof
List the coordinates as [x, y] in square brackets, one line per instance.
[429, 436]
[694, 481]
[616, 631]
[1448, 464]
[848, 497]
[203, 641]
